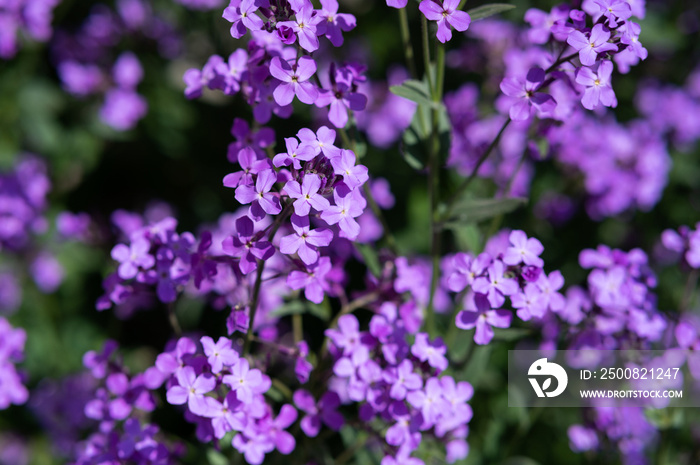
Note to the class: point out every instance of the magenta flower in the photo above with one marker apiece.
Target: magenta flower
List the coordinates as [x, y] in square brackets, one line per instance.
[224, 417]
[219, 354]
[245, 382]
[295, 153]
[402, 379]
[133, 257]
[397, 3]
[466, 269]
[446, 15]
[431, 352]
[344, 212]
[294, 80]
[325, 412]
[496, 286]
[529, 303]
[549, 286]
[251, 165]
[243, 17]
[263, 201]
[313, 281]
[528, 99]
[483, 318]
[247, 246]
[323, 141]
[340, 98]
[304, 26]
[589, 47]
[305, 241]
[353, 175]
[429, 401]
[598, 88]
[335, 23]
[191, 389]
[307, 195]
[523, 250]
[614, 10]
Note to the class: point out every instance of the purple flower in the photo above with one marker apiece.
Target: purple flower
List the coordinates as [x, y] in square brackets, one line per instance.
[294, 155]
[313, 281]
[598, 88]
[305, 241]
[245, 382]
[340, 98]
[247, 246]
[590, 47]
[344, 212]
[614, 10]
[402, 379]
[294, 81]
[529, 303]
[127, 71]
[523, 250]
[262, 200]
[466, 270]
[482, 317]
[527, 96]
[224, 417]
[133, 257]
[431, 352]
[541, 22]
[335, 23]
[429, 401]
[307, 195]
[325, 412]
[397, 3]
[630, 37]
[251, 165]
[496, 286]
[446, 15]
[191, 389]
[353, 175]
[47, 272]
[304, 26]
[323, 141]
[242, 13]
[219, 354]
[122, 109]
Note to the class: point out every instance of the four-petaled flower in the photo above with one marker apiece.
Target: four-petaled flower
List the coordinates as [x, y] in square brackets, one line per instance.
[307, 195]
[589, 47]
[446, 15]
[294, 81]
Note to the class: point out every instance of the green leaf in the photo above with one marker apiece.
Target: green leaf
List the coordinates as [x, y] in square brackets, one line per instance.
[371, 260]
[216, 458]
[510, 334]
[476, 210]
[415, 91]
[484, 11]
[300, 307]
[407, 153]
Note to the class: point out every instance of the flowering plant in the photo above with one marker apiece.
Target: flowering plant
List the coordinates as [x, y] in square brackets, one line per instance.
[284, 230]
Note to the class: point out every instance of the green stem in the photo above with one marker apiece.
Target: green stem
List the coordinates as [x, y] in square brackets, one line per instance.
[426, 52]
[298, 327]
[463, 187]
[390, 239]
[258, 278]
[172, 318]
[406, 39]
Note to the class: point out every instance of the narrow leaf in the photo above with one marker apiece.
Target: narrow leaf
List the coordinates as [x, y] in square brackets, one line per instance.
[484, 11]
[476, 210]
[415, 91]
[371, 259]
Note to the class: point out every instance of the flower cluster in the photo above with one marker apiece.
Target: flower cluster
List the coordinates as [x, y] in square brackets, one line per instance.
[516, 271]
[30, 17]
[684, 243]
[221, 393]
[12, 391]
[119, 404]
[87, 63]
[23, 203]
[619, 301]
[273, 71]
[312, 171]
[393, 372]
[625, 427]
